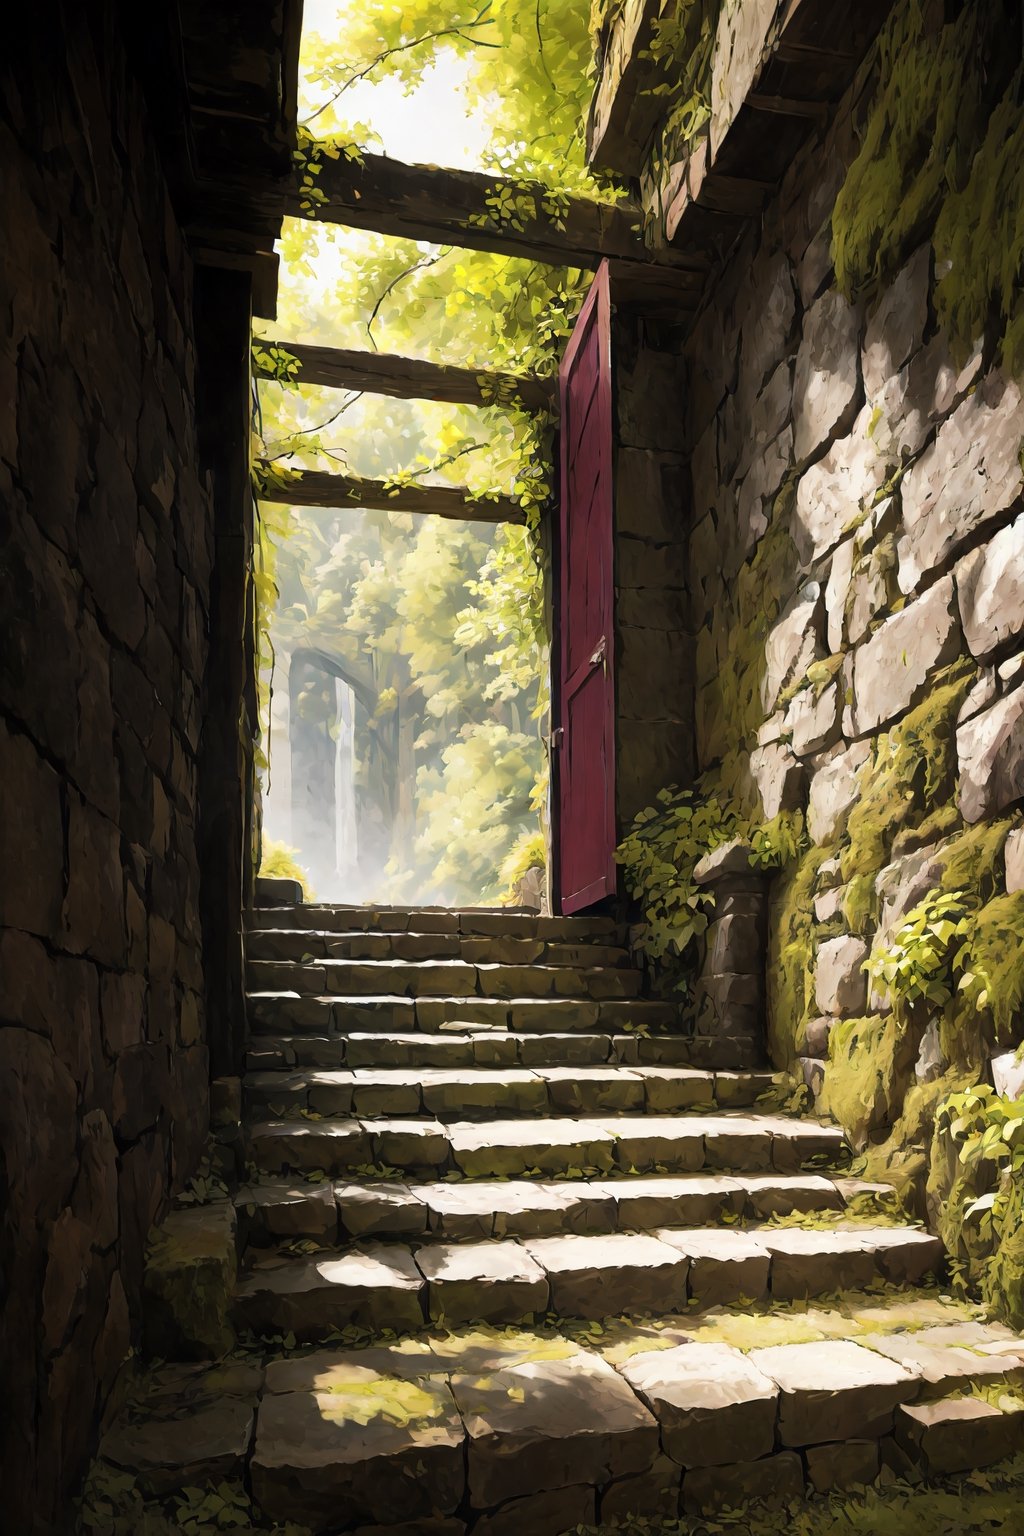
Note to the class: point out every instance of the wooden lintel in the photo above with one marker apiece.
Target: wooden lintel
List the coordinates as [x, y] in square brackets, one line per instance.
[479, 211]
[412, 378]
[318, 488]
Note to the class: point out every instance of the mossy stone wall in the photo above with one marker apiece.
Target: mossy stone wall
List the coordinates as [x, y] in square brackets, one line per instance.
[856, 568]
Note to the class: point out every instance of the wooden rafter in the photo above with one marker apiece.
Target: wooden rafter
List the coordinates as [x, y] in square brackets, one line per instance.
[445, 207]
[318, 488]
[411, 378]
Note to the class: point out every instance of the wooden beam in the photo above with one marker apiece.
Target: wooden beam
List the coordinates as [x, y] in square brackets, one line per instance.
[411, 378]
[481, 212]
[317, 488]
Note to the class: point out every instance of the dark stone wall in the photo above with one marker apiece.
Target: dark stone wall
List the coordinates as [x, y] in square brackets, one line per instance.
[105, 556]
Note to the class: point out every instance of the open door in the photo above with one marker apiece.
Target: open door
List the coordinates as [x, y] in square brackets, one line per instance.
[586, 697]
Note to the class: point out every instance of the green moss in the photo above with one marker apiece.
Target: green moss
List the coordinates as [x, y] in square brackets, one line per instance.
[869, 1061]
[996, 963]
[929, 113]
[902, 1159]
[791, 955]
[1003, 1285]
[985, 1007]
[979, 240]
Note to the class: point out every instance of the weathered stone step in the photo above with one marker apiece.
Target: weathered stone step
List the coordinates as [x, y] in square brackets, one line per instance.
[390, 1286]
[479, 923]
[483, 1047]
[272, 1211]
[537, 1146]
[440, 978]
[452, 1093]
[284, 1012]
[533, 1433]
[294, 945]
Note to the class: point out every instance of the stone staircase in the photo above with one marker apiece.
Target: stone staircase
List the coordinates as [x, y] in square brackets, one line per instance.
[558, 1262]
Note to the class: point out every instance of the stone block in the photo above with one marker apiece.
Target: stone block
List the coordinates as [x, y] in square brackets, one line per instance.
[843, 1464]
[834, 1390]
[896, 324]
[840, 982]
[838, 490]
[493, 1282]
[710, 1402]
[735, 947]
[834, 790]
[967, 479]
[826, 383]
[725, 1266]
[542, 1514]
[892, 669]
[779, 778]
[206, 1442]
[775, 1479]
[958, 1435]
[374, 1286]
[651, 1495]
[31, 839]
[599, 1277]
[190, 1274]
[385, 1209]
[547, 1424]
[813, 720]
[286, 1210]
[793, 643]
[990, 749]
[990, 589]
[359, 1447]
[1013, 858]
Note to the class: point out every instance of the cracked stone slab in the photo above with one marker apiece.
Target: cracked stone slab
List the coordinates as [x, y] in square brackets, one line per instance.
[834, 1390]
[363, 1449]
[516, 1208]
[711, 1403]
[376, 1209]
[662, 1200]
[333, 1145]
[600, 1276]
[772, 1480]
[951, 1356]
[549, 1424]
[495, 1282]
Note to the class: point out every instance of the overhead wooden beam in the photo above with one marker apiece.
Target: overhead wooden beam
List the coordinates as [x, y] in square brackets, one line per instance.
[481, 212]
[318, 488]
[408, 378]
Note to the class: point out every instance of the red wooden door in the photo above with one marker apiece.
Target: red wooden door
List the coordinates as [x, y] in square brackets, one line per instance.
[586, 769]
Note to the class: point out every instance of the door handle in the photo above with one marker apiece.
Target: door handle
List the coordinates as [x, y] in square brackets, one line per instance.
[556, 738]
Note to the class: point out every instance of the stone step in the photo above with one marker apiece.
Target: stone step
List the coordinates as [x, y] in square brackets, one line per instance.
[295, 945]
[440, 978]
[484, 1047]
[284, 1012]
[492, 1433]
[285, 1209]
[483, 922]
[381, 1286]
[538, 1146]
[455, 1093]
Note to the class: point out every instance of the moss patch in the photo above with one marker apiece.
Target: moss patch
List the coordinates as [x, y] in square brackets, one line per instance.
[869, 1061]
[791, 955]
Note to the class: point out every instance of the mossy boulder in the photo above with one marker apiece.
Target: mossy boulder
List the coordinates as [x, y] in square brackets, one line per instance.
[191, 1268]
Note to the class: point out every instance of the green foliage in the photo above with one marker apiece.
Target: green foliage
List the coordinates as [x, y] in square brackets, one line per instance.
[666, 842]
[927, 118]
[927, 950]
[279, 862]
[867, 1066]
[529, 851]
[983, 1207]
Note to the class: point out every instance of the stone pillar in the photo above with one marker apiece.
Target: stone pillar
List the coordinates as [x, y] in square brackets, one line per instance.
[731, 988]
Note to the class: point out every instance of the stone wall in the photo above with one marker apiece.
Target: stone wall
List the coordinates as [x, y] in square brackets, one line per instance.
[856, 594]
[104, 578]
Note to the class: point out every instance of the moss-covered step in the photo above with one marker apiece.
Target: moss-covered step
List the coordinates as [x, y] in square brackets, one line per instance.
[381, 1286]
[440, 978]
[302, 944]
[480, 1046]
[455, 1093]
[281, 1210]
[509, 1429]
[544, 1146]
[478, 923]
[285, 1012]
